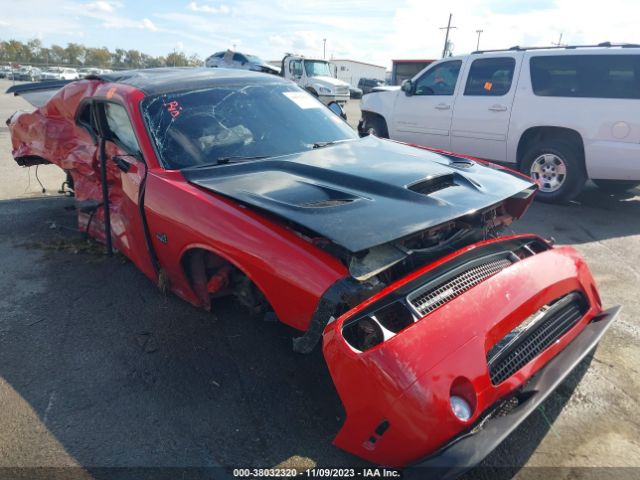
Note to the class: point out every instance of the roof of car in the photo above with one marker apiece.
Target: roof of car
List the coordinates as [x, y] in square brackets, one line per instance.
[154, 81]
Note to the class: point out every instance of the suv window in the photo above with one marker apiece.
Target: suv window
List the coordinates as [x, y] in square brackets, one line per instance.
[439, 80]
[490, 77]
[594, 76]
[119, 124]
[237, 57]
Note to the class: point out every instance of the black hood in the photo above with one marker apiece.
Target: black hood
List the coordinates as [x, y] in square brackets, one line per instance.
[363, 193]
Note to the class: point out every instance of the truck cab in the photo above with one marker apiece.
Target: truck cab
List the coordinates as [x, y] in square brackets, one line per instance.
[314, 75]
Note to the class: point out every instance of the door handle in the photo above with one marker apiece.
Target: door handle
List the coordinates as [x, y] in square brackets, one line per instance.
[443, 106]
[498, 108]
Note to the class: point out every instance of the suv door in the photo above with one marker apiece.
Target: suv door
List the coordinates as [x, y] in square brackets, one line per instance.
[423, 115]
[482, 111]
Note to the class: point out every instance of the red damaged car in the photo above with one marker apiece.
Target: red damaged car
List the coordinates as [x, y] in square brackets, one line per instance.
[440, 334]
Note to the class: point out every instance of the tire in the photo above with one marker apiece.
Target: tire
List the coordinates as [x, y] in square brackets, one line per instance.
[616, 186]
[558, 169]
[375, 126]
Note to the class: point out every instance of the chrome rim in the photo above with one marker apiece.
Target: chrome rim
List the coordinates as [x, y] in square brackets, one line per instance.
[549, 171]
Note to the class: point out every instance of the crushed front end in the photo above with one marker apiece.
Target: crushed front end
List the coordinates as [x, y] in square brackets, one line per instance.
[422, 365]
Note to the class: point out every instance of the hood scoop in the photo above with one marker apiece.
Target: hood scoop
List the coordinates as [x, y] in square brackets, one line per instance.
[431, 185]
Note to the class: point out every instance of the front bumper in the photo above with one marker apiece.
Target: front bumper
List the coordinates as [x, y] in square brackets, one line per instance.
[328, 99]
[397, 393]
[469, 449]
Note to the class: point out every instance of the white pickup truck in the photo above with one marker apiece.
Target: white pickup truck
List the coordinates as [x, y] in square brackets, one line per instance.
[314, 75]
[560, 115]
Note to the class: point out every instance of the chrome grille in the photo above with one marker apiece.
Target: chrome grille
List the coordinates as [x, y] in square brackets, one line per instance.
[549, 324]
[427, 301]
[342, 90]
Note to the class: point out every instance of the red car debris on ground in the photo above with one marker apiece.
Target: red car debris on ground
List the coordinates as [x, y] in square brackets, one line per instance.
[441, 335]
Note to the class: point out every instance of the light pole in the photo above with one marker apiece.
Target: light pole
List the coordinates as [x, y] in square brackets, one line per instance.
[479, 32]
[324, 48]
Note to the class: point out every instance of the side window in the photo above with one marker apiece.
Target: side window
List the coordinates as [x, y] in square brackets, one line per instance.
[120, 126]
[239, 58]
[439, 80]
[84, 119]
[594, 76]
[295, 66]
[490, 77]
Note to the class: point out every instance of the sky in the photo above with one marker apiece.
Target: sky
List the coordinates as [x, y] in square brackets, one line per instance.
[370, 31]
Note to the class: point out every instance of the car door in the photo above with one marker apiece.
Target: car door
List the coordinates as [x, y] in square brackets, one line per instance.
[126, 174]
[482, 111]
[423, 115]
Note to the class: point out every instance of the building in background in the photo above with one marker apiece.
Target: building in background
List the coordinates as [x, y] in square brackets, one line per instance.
[404, 69]
[351, 71]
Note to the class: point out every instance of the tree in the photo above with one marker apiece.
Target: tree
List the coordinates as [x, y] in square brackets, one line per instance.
[118, 58]
[195, 60]
[75, 53]
[57, 54]
[98, 57]
[35, 48]
[133, 59]
[177, 59]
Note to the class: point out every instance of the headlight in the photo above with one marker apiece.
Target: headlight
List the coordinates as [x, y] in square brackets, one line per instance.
[324, 90]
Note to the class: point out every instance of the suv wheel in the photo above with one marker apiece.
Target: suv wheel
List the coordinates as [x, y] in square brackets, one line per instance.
[375, 126]
[557, 168]
[616, 186]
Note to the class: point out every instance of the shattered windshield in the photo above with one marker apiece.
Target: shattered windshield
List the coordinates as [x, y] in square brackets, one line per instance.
[219, 124]
[316, 68]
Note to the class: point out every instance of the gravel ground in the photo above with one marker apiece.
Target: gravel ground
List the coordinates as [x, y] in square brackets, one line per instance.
[99, 369]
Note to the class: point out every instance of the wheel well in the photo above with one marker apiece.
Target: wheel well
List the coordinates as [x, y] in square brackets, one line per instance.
[366, 115]
[535, 135]
[211, 275]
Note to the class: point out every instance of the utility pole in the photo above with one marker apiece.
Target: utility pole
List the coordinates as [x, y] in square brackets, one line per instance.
[479, 32]
[324, 48]
[446, 38]
[559, 44]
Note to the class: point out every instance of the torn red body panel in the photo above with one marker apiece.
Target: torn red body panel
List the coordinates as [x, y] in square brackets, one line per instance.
[223, 182]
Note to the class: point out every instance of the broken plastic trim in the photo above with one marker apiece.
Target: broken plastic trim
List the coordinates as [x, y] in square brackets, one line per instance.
[338, 298]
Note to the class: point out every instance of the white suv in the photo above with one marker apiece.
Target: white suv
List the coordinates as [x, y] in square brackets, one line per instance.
[562, 115]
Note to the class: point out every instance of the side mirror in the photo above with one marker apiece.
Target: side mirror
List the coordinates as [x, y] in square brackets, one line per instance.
[337, 109]
[407, 87]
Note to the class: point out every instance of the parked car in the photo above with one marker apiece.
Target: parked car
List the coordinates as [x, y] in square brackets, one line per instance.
[242, 61]
[60, 73]
[83, 72]
[26, 73]
[560, 115]
[368, 84]
[5, 70]
[355, 92]
[441, 335]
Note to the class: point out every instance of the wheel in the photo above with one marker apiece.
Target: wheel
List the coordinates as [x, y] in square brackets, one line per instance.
[375, 126]
[616, 186]
[558, 169]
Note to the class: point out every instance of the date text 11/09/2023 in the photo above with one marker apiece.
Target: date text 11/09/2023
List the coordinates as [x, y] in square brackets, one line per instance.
[362, 472]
